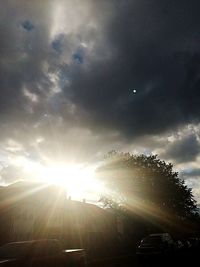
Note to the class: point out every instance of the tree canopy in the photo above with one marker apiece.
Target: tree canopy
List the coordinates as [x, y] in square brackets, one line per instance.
[147, 185]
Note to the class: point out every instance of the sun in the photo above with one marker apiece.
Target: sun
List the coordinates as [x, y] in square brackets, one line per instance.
[78, 181]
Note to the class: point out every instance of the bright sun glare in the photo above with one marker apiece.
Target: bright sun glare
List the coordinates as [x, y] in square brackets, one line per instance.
[79, 182]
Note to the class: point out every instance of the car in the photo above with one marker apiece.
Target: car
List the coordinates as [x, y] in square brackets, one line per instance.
[179, 245]
[156, 244]
[194, 241]
[186, 244]
[38, 253]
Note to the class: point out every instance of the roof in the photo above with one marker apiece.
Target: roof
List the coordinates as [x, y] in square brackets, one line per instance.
[44, 195]
[23, 192]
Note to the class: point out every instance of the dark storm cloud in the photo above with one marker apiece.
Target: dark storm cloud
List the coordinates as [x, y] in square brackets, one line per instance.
[25, 50]
[21, 53]
[83, 77]
[153, 47]
[32, 104]
[185, 150]
[148, 45]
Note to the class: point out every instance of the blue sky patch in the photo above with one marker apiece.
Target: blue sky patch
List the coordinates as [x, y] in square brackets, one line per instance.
[27, 25]
[78, 57]
[57, 46]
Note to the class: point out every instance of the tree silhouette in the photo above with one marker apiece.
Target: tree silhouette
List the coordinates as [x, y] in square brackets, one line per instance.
[147, 186]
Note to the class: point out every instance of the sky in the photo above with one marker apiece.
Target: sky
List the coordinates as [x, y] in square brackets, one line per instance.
[81, 78]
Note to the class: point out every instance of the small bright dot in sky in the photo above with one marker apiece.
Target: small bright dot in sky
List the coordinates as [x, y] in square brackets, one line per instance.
[134, 91]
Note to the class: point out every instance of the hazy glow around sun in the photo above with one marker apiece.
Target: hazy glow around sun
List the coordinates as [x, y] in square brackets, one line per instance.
[78, 180]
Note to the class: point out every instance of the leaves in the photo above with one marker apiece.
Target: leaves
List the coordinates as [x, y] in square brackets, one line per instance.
[149, 180]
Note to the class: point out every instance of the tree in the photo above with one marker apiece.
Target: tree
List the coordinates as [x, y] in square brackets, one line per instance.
[148, 187]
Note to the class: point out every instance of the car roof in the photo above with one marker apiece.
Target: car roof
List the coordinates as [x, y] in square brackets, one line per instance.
[159, 234]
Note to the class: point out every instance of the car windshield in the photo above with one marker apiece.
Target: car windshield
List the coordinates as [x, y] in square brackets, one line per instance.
[14, 250]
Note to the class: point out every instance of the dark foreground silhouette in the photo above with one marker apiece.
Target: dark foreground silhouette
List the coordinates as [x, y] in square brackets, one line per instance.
[185, 253]
[39, 253]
